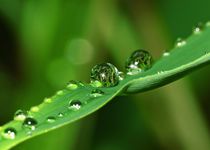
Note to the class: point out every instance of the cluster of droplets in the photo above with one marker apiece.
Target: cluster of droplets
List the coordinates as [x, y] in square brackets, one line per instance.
[180, 42]
[107, 75]
[102, 75]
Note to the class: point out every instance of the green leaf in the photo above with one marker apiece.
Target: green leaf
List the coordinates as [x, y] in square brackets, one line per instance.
[182, 59]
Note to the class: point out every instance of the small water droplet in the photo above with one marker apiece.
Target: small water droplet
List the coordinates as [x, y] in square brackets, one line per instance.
[165, 54]
[60, 92]
[60, 114]
[72, 85]
[48, 100]
[140, 60]
[180, 42]
[30, 123]
[106, 74]
[51, 119]
[9, 133]
[20, 115]
[160, 72]
[208, 24]
[198, 28]
[34, 109]
[96, 83]
[206, 53]
[75, 105]
[96, 93]
[121, 75]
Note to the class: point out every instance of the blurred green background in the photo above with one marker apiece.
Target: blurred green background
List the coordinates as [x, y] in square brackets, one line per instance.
[46, 43]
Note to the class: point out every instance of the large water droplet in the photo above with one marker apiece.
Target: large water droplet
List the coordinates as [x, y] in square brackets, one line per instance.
[180, 42]
[20, 115]
[51, 119]
[9, 133]
[75, 105]
[97, 93]
[30, 123]
[106, 74]
[198, 28]
[72, 85]
[140, 60]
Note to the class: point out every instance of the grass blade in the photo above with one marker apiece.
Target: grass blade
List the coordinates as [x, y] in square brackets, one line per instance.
[54, 112]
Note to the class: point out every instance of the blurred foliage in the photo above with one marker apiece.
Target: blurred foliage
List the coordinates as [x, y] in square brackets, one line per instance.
[46, 43]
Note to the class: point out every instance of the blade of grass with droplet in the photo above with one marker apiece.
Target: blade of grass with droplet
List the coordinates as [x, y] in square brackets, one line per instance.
[182, 60]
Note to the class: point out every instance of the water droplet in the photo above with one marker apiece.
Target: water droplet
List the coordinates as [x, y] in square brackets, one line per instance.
[75, 105]
[160, 72]
[206, 53]
[30, 123]
[20, 115]
[60, 92]
[48, 100]
[72, 85]
[106, 74]
[34, 109]
[198, 28]
[165, 54]
[121, 75]
[140, 60]
[9, 133]
[96, 93]
[96, 83]
[208, 24]
[180, 42]
[60, 115]
[51, 119]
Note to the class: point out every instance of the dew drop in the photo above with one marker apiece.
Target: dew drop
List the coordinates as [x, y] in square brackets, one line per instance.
[9, 133]
[72, 85]
[106, 74]
[208, 24]
[20, 115]
[75, 105]
[60, 92]
[121, 75]
[60, 114]
[96, 83]
[34, 109]
[140, 60]
[51, 119]
[198, 28]
[48, 100]
[165, 54]
[30, 123]
[180, 42]
[96, 93]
